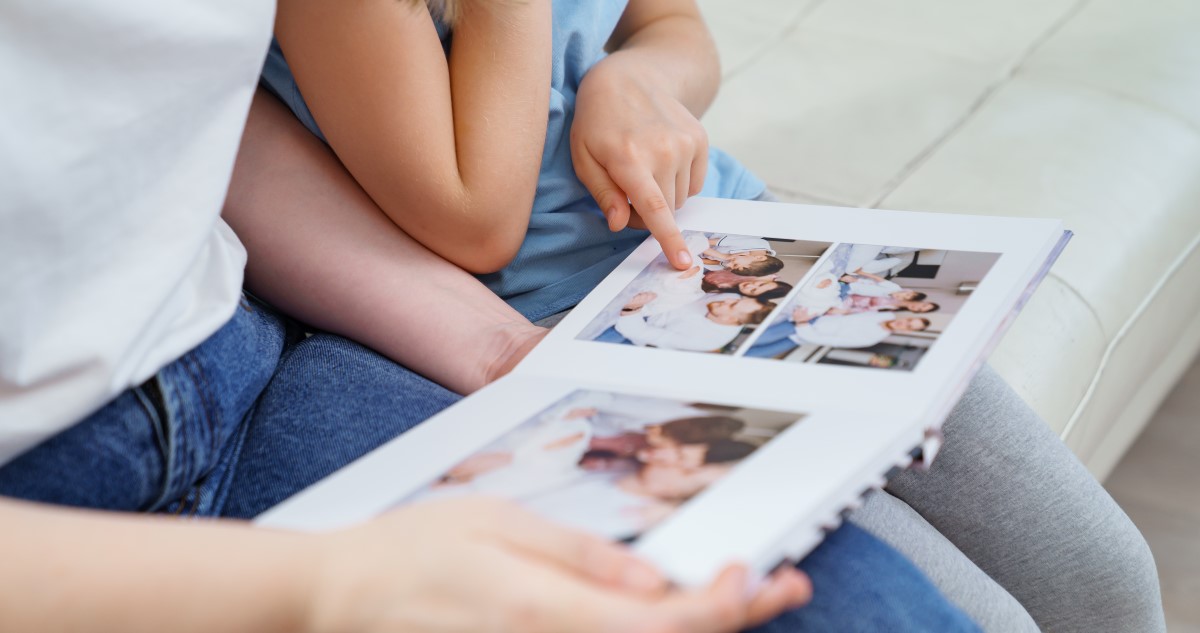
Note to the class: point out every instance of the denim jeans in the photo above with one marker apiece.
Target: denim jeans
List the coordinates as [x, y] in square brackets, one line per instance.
[259, 411]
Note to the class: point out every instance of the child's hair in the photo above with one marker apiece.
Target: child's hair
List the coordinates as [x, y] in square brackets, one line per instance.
[447, 10]
[767, 266]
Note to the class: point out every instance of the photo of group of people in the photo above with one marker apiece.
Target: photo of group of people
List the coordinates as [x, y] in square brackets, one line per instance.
[737, 282]
[873, 306]
[615, 465]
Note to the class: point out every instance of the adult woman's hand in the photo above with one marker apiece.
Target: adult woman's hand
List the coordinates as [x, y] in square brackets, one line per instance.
[485, 565]
[463, 565]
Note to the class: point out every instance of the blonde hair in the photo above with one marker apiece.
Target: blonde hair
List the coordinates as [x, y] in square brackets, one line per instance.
[447, 10]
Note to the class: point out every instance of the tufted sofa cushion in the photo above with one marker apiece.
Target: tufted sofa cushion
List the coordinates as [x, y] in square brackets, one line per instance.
[1086, 110]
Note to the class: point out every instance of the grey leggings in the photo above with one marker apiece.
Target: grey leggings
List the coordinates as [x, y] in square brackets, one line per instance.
[1012, 527]
[1015, 530]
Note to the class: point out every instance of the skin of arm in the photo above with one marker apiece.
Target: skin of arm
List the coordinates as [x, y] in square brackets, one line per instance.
[449, 149]
[431, 568]
[324, 253]
[668, 41]
[636, 134]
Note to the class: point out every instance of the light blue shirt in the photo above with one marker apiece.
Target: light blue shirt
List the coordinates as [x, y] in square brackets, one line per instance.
[568, 248]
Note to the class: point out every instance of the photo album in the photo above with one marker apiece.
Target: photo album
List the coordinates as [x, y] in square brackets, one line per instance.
[732, 411]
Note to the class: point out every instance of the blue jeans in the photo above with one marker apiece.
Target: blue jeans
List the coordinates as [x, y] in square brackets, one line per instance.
[258, 412]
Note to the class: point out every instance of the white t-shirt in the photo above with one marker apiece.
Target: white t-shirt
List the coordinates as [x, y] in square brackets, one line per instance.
[687, 328]
[852, 331]
[121, 121]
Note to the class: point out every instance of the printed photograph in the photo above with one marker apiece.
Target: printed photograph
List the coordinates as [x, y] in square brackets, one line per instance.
[873, 306]
[713, 307]
[615, 465]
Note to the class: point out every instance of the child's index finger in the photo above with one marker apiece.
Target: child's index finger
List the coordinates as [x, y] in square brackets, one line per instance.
[651, 206]
[664, 229]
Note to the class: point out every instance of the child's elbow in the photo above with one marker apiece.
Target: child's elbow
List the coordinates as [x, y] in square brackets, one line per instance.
[480, 263]
[488, 254]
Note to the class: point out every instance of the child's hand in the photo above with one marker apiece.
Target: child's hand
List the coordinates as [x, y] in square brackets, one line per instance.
[633, 143]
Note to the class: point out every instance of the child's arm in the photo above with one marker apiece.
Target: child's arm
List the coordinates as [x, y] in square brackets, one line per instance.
[322, 252]
[450, 150]
[636, 136]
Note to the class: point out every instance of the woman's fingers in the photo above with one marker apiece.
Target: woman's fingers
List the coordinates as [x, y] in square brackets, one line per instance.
[579, 582]
[475, 564]
[786, 589]
[589, 556]
[576, 607]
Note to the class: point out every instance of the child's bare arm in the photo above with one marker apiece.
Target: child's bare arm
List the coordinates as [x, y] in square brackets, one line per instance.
[321, 251]
[636, 136]
[449, 149]
[672, 44]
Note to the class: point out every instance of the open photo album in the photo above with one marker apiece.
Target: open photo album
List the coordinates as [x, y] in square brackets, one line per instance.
[734, 410]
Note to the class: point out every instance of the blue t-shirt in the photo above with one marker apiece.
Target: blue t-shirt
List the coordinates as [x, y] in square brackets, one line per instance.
[568, 248]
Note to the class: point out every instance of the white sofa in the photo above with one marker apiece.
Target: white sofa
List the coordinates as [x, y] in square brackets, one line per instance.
[1086, 110]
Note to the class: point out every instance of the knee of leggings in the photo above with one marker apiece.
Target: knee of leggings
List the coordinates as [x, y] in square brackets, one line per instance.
[1120, 588]
[1135, 562]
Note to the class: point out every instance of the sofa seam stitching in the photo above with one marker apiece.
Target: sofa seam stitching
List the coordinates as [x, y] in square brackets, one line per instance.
[782, 35]
[1087, 304]
[977, 106]
[1123, 331]
[1114, 94]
